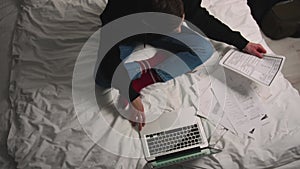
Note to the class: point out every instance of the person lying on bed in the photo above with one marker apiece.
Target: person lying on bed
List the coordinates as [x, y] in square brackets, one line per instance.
[110, 62]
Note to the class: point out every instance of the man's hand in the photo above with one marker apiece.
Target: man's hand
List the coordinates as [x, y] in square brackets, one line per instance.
[255, 49]
[138, 114]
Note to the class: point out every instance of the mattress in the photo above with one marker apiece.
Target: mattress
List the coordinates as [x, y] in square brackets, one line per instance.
[55, 117]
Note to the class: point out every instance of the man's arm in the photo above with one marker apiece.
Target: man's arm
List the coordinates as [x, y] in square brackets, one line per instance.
[215, 29]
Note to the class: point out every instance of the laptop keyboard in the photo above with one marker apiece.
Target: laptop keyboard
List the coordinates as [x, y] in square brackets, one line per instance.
[173, 139]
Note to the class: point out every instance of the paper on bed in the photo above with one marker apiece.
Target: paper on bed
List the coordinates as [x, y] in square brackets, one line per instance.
[262, 71]
[217, 94]
[207, 104]
[211, 109]
[242, 106]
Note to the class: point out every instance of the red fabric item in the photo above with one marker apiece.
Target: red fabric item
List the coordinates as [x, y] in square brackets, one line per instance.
[147, 78]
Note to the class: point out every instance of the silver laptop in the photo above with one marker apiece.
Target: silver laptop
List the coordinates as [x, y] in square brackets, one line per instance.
[174, 137]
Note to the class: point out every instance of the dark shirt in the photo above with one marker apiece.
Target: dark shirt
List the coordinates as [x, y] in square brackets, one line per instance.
[195, 14]
[212, 27]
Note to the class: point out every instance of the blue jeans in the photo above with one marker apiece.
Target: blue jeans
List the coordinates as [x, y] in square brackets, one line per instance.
[177, 64]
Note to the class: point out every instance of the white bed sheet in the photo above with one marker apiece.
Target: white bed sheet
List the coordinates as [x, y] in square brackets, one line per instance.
[46, 132]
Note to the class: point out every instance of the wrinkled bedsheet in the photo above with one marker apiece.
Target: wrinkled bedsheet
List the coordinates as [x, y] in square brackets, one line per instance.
[56, 121]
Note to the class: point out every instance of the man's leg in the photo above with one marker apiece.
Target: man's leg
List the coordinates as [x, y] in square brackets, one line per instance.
[184, 62]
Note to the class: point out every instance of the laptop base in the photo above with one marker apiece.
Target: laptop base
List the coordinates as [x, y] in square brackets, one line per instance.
[180, 157]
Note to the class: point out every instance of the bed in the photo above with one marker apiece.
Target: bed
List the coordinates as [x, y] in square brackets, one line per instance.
[52, 118]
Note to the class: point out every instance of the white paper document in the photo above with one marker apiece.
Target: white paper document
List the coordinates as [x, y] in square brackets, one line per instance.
[259, 70]
[244, 112]
[241, 111]
[210, 108]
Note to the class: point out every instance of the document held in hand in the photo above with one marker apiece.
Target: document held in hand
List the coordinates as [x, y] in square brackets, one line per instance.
[259, 70]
